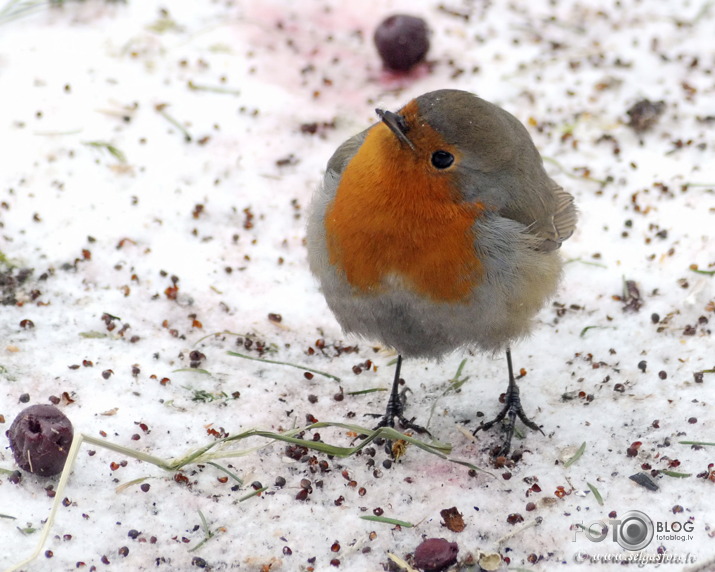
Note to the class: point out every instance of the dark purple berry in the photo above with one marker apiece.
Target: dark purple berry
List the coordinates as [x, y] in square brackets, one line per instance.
[40, 439]
[435, 554]
[402, 41]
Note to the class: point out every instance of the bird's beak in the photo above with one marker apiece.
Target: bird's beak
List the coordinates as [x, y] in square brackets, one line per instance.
[397, 125]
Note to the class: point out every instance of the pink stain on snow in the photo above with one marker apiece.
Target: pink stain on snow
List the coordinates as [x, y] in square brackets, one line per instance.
[328, 53]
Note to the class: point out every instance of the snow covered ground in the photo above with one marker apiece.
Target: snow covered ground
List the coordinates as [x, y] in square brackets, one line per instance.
[156, 162]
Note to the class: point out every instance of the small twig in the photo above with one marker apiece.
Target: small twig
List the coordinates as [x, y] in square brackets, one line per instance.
[388, 520]
[586, 262]
[18, 8]
[603, 182]
[109, 147]
[191, 370]
[161, 109]
[253, 494]
[275, 362]
[400, 562]
[124, 486]
[365, 391]
[56, 133]
[587, 328]
[454, 384]
[225, 470]
[215, 89]
[208, 535]
[125, 451]
[536, 522]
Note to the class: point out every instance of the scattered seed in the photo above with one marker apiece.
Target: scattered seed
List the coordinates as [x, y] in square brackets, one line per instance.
[644, 480]
[453, 519]
[644, 114]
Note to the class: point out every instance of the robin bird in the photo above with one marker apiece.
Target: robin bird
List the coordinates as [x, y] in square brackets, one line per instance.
[437, 228]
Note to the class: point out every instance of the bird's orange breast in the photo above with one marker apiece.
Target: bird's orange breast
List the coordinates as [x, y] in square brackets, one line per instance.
[394, 215]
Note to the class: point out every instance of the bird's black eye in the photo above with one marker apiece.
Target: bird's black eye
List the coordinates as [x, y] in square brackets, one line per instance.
[442, 159]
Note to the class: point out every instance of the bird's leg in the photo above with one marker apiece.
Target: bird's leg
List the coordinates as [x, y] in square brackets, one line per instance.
[396, 406]
[512, 409]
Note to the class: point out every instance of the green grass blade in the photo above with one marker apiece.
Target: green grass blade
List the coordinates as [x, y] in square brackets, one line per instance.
[676, 475]
[596, 494]
[576, 456]
[276, 362]
[387, 520]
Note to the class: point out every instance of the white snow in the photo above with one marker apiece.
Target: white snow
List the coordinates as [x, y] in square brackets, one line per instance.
[104, 235]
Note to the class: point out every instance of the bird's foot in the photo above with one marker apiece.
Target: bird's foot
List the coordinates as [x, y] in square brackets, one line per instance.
[511, 410]
[395, 412]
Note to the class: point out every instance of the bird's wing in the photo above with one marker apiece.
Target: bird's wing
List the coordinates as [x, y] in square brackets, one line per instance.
[343, 154]
[560, 224]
